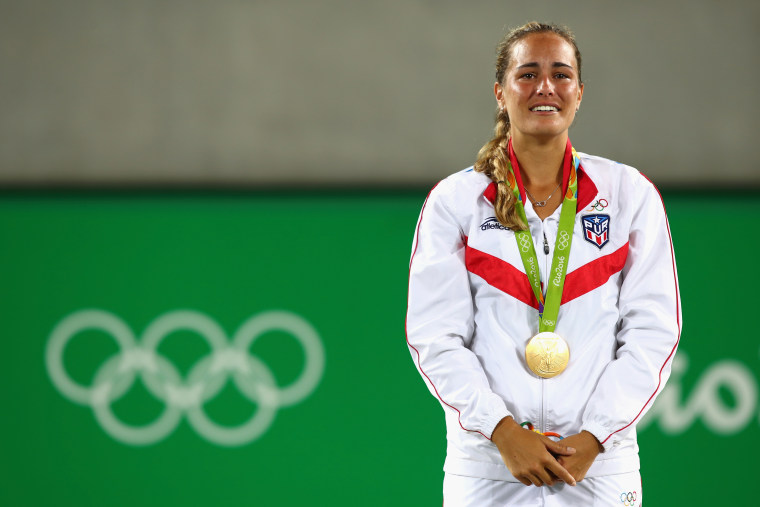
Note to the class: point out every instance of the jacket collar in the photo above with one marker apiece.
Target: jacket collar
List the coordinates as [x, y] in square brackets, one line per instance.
[586, 188]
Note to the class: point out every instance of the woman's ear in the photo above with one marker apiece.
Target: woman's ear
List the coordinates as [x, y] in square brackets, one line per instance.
[580, 97]
[498, 92]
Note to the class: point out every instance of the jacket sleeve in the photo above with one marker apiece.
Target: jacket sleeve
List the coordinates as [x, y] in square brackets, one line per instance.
[439, 324]
[649, 325]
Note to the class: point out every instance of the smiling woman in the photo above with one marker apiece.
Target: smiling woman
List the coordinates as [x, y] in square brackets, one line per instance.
[543, 364]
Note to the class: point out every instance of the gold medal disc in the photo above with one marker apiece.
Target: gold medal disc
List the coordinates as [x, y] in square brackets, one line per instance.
[547, 354]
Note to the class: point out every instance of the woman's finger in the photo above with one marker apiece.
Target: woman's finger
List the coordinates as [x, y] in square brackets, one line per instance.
[561, 473]
[557, 448]
[545, 476]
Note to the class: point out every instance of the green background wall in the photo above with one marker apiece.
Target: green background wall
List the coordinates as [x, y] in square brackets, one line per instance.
[369, 433]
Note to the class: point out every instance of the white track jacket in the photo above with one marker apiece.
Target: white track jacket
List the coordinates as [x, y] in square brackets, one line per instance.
[471, 312]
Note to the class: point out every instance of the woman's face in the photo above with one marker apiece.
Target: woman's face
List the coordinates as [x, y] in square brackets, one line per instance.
[541, 91]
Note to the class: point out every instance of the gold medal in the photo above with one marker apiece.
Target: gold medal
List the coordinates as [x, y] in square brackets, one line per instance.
[547, 354]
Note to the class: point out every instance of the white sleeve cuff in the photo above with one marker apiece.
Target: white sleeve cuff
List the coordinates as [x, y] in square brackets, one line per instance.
[601, 433]
[489, 424]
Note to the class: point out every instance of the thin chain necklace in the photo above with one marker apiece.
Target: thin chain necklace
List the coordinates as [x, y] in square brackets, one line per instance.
[541, 204]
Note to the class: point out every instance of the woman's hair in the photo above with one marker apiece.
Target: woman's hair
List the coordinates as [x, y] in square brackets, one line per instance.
[493, 157]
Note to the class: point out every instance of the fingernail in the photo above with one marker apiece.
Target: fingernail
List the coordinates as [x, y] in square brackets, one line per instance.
[571, 449]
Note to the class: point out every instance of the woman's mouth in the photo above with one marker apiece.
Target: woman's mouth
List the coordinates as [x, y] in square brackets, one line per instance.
[542, 109]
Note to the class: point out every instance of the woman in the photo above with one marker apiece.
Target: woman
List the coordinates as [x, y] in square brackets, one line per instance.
[542, 295]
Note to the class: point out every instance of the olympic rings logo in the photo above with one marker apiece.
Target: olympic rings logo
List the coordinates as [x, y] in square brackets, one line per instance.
[628, 498]
[206, 378]
[549, 323]
[599, 205]
[524, 242]
[563, 240]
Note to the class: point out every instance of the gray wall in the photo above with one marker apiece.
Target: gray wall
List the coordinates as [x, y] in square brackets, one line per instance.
[339, 92]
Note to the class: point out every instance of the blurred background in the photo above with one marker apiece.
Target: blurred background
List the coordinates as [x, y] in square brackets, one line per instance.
[206, 213]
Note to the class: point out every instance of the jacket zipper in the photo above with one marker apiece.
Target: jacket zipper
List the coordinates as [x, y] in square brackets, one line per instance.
[542, 414]
[542, 417]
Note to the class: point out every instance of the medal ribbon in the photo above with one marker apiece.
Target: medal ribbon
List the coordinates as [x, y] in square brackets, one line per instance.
[548, 309]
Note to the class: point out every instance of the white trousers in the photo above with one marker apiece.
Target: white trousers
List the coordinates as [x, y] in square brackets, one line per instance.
[620, 490]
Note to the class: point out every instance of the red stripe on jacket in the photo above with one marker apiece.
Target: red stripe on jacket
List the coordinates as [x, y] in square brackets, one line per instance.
[594, 274]
[510, 280]
[500, 274]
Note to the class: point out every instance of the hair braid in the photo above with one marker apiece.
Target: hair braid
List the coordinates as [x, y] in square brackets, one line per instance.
[493, 161]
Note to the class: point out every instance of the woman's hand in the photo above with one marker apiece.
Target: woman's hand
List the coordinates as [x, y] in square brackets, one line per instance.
[587, 449]
[530, 456]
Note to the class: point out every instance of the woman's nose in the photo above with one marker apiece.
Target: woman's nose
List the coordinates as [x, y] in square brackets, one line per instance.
[545, 87]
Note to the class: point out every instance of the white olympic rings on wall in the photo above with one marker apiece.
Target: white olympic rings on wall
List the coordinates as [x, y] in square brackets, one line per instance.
[185, 396]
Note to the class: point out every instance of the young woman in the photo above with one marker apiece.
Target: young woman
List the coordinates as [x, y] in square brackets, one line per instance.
[543, 296]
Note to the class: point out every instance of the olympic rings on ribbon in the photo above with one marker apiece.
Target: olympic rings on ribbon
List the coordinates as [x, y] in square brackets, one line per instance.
[562, 240]
[529, 425]
[524, 242]
[204, 381]
[599, 205]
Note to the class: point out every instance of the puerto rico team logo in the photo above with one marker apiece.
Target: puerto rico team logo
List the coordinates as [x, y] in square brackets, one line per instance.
[596, 229]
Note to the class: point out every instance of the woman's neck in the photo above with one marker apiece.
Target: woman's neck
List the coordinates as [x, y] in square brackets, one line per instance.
[540, 162]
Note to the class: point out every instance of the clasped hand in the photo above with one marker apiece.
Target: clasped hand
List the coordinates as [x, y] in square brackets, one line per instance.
[536, 459]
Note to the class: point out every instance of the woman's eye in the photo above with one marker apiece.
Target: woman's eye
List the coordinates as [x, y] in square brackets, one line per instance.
[560, 75]
[528, 75]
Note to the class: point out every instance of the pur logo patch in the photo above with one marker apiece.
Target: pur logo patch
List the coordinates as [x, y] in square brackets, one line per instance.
[596, 229]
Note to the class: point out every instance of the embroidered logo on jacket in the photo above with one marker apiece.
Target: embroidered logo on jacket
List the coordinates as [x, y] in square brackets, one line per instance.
[628, 498]
[599, 205]
[596, 229]
[492, 223]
